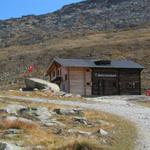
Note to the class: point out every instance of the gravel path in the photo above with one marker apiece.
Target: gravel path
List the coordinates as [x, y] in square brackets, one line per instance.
[117, 105]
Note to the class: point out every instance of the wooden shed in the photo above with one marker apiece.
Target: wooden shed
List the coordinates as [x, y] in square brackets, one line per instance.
[89, 77]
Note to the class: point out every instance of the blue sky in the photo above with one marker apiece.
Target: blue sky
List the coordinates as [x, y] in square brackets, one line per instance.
[18, 8]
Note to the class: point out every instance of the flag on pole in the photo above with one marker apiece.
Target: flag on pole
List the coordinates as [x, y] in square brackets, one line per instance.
[30, 68]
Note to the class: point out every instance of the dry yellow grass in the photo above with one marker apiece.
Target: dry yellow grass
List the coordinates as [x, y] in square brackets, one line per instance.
[129, 44]
[17, 124]
[39, 94]
[144, 103]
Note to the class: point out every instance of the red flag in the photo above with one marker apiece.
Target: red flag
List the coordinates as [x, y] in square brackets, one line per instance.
[30, 68]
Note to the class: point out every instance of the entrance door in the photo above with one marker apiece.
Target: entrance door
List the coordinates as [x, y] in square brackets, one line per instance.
[105, 87]
[111, 87]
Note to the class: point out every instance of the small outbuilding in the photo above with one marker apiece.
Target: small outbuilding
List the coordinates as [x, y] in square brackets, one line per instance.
[96, 77]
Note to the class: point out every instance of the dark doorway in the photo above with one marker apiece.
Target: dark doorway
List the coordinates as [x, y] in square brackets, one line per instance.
[105, 87]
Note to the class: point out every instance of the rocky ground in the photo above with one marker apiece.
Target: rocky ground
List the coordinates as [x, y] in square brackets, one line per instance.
[57, 127]
[120, 105]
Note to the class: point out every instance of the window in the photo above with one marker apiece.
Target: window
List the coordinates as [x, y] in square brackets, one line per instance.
[132, 85]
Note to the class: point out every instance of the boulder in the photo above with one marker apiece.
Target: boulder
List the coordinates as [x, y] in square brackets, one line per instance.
[57, 130]
[13, 119]
[35, 83]
[41, 114]
[104, 123]
[68, 111]
[13, 131]
[36, 113]
[13, 109]
[68, 95]
[101, 132]
[7, 146]
[61, 93]
[53, 122]
[3, 146]
[75, 131]
[81, 120]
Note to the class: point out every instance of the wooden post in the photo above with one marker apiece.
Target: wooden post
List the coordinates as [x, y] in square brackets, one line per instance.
[84, 77]
[140, 83]
[68, 80]
[119, 81]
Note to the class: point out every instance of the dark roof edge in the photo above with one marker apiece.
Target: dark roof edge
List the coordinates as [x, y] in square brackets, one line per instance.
[57, 61]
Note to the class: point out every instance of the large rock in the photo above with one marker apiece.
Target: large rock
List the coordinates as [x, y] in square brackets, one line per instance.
[80, 120]
[32, 83]
[8, 146]
[14, 119]
[68, 111]
[13, 109]
[101, 133]
[75, 131]
[13, 131]
[53, 122]
[41, 114]
[36, 113]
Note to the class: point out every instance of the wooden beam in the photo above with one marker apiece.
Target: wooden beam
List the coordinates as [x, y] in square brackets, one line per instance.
[68, 80]
[119, 92]
[84, 77]
[140, 83]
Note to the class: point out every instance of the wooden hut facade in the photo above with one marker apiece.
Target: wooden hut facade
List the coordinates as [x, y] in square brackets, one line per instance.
[96, 77]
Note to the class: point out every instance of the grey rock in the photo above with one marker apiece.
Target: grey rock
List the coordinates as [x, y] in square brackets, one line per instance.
[68, 111]
[68, 95]
[13, 131]
[8, 146]
[53, 122]
[104, 123]
[57, 130]
[102, 132]
[81, 120]
[14, 118]
[41, 114]
[61, 93]
[32, 83]
[75, 131]
[3, 146]
[13, 109]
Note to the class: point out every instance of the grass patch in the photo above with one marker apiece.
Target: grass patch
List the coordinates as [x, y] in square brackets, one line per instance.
[40, 94]
[16, 124]
[124, 131]
[144, 103]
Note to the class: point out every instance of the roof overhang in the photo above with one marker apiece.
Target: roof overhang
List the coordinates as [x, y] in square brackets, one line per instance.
[50, 66]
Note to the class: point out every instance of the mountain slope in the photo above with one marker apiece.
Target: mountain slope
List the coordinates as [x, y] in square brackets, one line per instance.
[81, 18]
[94, 28]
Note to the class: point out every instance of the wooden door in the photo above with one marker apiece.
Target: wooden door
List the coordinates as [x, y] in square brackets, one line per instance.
[104, 87]
[110, 87]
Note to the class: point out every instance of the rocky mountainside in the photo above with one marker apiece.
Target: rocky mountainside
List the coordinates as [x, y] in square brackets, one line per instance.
[112, 29]
[80, 18]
